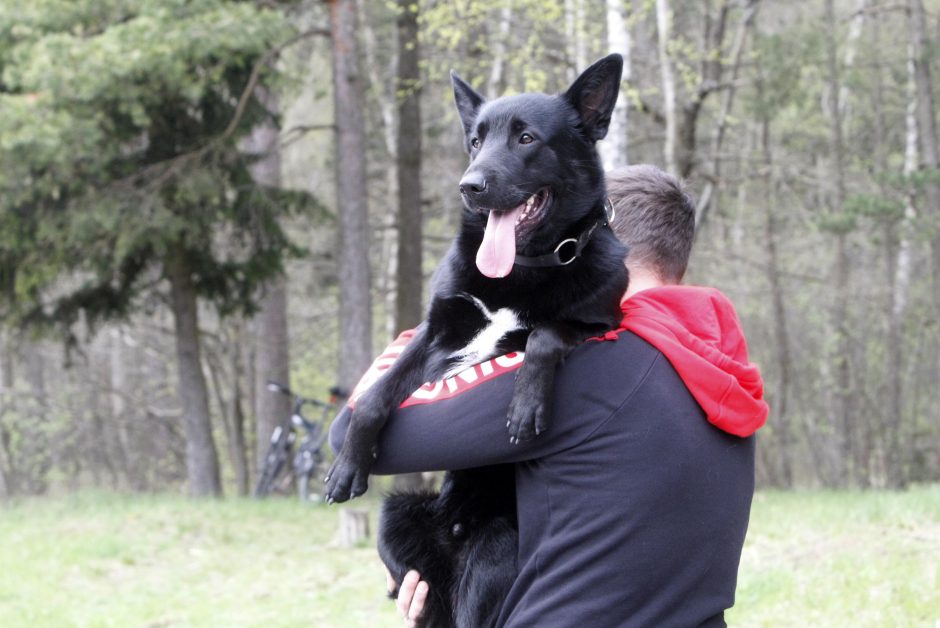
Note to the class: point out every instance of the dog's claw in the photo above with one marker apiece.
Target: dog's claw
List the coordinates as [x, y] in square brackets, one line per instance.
[528, 416]
[347, 479]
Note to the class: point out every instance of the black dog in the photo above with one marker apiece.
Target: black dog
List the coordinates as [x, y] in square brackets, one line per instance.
[462, 541]
[535, 265]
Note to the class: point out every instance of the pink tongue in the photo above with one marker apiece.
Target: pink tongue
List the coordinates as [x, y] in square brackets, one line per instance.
[497, 253]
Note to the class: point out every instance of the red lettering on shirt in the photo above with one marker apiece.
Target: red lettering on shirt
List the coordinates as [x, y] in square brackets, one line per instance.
[430, 392]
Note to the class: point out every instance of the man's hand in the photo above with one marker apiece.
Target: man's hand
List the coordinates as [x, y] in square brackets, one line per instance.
[411, 596]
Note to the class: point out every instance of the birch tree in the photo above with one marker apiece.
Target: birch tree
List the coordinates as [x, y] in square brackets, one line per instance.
[927, 127]
[668, 83]
[614, 148]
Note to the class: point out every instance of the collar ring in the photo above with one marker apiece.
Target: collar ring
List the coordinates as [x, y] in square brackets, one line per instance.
[574, 253]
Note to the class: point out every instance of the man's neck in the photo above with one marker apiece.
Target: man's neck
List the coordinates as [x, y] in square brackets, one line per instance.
[640, 280]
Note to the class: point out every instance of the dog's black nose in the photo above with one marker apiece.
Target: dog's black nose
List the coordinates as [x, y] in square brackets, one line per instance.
[472, 184]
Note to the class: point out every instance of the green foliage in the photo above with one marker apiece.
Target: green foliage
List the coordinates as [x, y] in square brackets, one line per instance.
[778, 77]
[874, 206]
[837, 223]
[464, 33]
[118, 143]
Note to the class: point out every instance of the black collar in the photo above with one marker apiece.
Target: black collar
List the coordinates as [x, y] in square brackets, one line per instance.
[569, 249]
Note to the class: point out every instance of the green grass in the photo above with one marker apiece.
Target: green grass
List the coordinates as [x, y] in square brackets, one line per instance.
[98, 560]
[811, 559]
[841, 559]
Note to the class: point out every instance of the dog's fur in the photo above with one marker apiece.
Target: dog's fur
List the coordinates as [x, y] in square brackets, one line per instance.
[532, 158]
[462, 541]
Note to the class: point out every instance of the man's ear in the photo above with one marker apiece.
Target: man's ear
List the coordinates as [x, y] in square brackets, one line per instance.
[594, 95]
[468, 102]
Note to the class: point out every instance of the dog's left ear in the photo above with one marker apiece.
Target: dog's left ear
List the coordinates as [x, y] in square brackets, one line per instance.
[468, 102]
[594, 95]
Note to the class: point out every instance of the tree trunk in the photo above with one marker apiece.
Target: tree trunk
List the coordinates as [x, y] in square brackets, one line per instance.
[848, 58]
[118, 437]
[353, 527]
[36, 454]
[876, 426]
[840, 276]
[6, 396]
[781, 330]
[6, 401]
[407, 152]
[408, 265]
[930, 150]
[355, 301]
[272, 363]
[233, 418]
[899, 268]
[497, 80]
[6, 365]
[271, 331]
[613, 150]
[882, 455]
[239, 450]
[664, 32]
[202, 461]
[575, 38]
[408, 306]
[903, 275]
[713, 35]
[386, 93]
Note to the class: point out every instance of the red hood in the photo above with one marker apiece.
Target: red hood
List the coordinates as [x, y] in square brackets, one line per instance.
[698, 331]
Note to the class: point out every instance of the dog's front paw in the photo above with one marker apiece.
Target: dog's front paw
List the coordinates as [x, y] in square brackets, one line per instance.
[528, 417]
[346, 479]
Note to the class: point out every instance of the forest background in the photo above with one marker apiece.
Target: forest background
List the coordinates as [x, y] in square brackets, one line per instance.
[200, 196]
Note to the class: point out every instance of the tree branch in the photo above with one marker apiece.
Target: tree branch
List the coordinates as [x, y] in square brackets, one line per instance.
[294, 133]
[705, 200]
[165, 169]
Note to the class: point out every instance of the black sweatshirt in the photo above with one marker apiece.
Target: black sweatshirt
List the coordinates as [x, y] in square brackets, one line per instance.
[632, 507]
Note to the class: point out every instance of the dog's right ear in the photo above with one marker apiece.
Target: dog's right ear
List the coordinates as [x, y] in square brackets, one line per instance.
[594, 94]
[468, 102]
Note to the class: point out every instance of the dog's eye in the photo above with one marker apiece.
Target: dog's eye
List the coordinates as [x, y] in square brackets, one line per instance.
[475, 142]
[525, 138]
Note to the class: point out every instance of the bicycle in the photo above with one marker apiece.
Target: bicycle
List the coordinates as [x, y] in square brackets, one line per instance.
[309, 457]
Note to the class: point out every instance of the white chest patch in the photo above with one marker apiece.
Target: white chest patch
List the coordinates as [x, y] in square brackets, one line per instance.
[483, 345]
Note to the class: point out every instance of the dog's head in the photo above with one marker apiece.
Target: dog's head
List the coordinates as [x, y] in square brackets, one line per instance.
[534, 171]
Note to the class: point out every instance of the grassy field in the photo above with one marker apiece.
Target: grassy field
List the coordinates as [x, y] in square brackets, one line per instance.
[812, 559]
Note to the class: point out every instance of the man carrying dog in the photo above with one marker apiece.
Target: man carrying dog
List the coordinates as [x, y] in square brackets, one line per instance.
[633, 507]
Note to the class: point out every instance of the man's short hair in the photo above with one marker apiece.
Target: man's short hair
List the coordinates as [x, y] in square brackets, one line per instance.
[655, 217]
